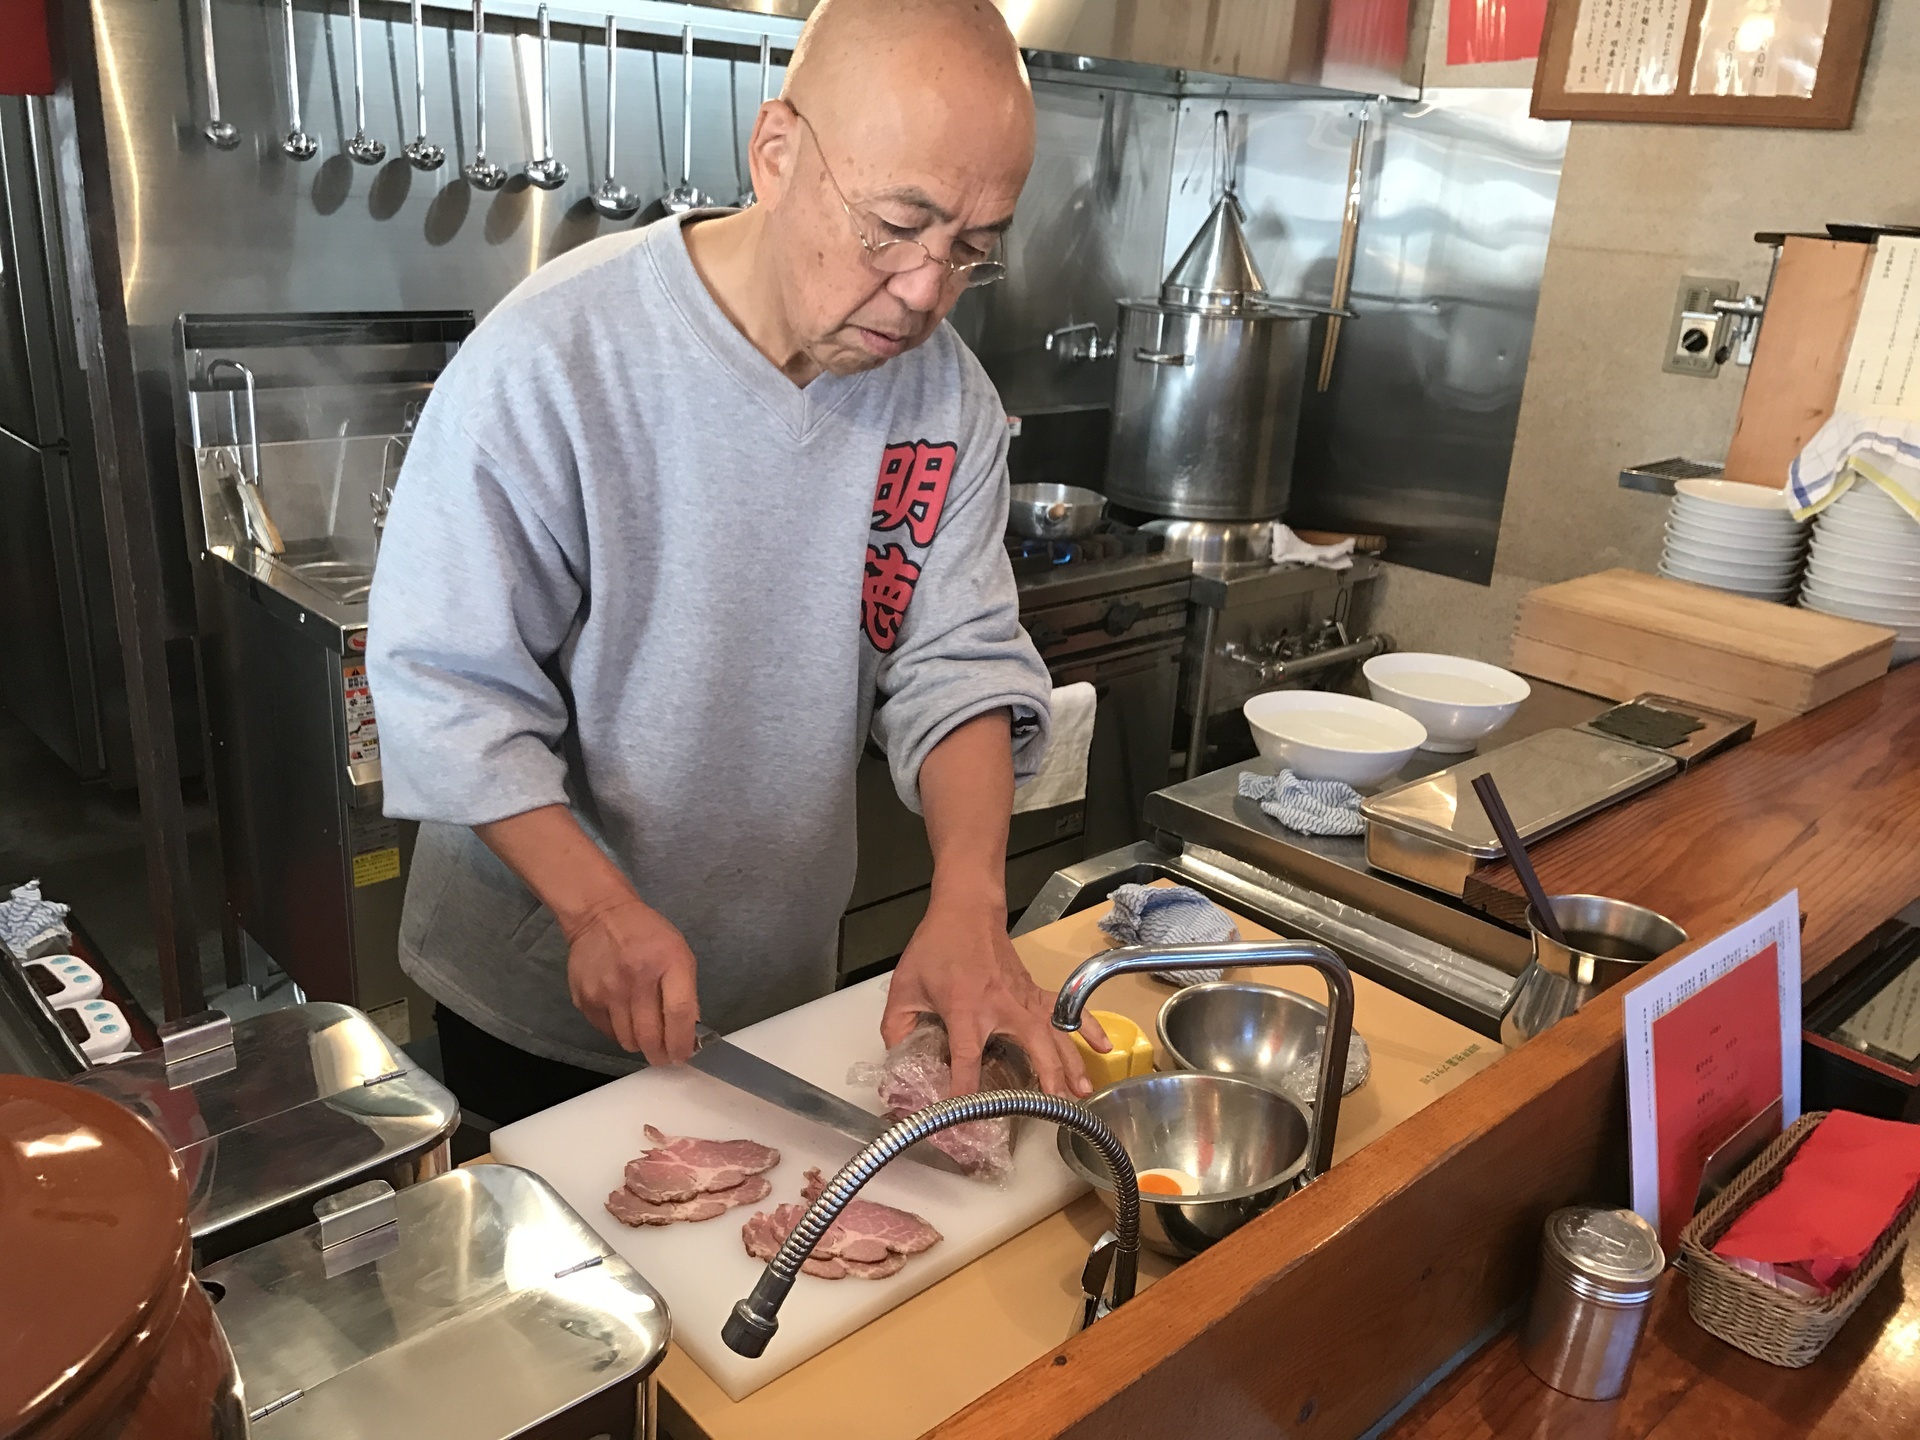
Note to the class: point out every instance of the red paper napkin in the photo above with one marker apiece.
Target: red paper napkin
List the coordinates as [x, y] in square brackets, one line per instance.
[1842, 1188]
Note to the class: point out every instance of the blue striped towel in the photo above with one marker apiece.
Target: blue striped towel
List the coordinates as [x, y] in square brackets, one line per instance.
[1169, 915]
[1312, 807]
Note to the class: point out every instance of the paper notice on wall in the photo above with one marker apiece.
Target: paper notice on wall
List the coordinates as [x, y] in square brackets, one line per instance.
[1627, 47]
[1760, 47]
[1883, 364]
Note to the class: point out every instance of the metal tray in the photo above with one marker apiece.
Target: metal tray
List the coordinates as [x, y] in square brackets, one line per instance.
[1434, 832]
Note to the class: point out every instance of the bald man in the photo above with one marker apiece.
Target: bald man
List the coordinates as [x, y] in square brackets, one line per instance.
[696, 510]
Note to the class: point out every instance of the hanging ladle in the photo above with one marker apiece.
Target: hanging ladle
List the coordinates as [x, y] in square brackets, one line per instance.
[298, 144]
[610, 197]
[1503, 826]
[364, 150]
[683, 197]
[221, 134]
[766, 74]
[481, 172]
[421, 152]
[543, 170]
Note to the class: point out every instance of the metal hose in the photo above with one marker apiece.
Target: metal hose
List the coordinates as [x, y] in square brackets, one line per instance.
[755, 1318]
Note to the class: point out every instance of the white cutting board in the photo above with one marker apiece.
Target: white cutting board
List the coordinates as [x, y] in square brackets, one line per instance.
[581, 1148]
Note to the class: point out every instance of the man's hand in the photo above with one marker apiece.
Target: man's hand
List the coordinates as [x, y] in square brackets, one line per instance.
[629, 970]
[960, 964]
[632, 975]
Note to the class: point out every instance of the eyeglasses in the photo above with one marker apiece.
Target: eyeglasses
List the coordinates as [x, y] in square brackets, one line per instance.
[902, 257]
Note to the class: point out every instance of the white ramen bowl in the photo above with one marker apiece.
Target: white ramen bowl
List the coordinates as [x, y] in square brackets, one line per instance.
[1320, 736]
[1460, 701]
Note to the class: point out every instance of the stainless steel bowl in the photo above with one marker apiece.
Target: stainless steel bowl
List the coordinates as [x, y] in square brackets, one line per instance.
[1053, 512]
[1259, 1032]
[1246, 1144]
[1607, 941]
[1212, 544]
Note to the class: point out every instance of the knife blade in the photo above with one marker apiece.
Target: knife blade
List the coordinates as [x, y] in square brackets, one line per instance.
[729, 1064]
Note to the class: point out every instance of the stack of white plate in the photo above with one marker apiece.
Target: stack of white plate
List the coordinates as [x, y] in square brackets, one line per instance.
[1733, 537]
[1865, 565]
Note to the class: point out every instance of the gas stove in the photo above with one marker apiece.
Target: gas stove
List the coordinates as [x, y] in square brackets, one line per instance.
[1035, 559]
[1109, 590]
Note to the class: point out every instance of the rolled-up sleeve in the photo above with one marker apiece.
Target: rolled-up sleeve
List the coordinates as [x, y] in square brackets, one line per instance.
[961, 650]
[473, 598]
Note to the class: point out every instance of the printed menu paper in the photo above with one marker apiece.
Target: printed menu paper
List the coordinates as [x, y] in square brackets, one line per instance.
[1883, 363]
[1711, 1043]
[1771, 48]
[1627, 47]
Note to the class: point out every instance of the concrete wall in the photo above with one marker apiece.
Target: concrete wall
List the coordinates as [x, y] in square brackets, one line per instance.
[1640, 206]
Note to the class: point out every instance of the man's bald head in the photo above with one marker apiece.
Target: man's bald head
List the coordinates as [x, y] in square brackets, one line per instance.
[900, 121]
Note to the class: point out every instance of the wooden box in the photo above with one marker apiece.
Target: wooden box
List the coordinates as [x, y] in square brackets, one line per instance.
[1621, 633]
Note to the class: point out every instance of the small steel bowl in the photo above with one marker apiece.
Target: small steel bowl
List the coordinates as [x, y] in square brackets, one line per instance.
[1258, 1032]
[1247, 1144]
[1053, 512]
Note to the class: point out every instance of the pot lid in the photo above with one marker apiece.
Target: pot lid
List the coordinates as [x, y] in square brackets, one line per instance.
[1615, 1248]
[1217, 272]
[279, 1107]
[93, 1211]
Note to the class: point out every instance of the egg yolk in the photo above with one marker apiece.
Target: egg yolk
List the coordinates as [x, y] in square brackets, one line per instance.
[1153, 1184]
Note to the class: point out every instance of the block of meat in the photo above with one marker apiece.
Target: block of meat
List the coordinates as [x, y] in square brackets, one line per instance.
[681, 1167]
[869, 1241]
[631, 1209]
[918, 1071]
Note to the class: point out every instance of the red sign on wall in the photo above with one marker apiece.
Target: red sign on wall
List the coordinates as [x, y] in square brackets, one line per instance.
[1482, 31]
[26, 57]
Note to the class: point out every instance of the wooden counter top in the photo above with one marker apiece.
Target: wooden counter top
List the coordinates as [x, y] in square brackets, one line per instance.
[1686, 1385]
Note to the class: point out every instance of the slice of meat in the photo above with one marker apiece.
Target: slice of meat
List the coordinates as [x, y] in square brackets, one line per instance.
[918, 1072]
[868, 1240]
[631, 1209]
[680, 1167]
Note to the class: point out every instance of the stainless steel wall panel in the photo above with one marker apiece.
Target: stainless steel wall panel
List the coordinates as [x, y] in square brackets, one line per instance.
[1088, 231]
[1415, 436]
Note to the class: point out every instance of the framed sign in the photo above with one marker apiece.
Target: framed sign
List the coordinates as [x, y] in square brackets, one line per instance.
[1704, 62]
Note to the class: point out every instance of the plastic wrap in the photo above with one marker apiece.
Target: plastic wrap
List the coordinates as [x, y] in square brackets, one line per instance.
[919, 1070]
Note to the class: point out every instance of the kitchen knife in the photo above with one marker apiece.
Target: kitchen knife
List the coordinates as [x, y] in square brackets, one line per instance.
[731, 1065]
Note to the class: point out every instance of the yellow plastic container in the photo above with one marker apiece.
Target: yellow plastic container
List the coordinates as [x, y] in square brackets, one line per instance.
[1132, 1052]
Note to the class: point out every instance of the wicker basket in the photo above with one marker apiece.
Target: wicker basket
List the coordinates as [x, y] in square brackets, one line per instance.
[1752, 1315]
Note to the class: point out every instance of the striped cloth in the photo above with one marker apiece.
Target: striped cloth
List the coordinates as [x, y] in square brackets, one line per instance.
[1312, 807]
[1169, 915]
[1848, 447]
[31, 926]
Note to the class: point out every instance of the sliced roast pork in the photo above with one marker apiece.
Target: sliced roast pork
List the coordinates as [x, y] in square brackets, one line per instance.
[682, 1177]
[680, 1167]
[918, 1071]
[630, 1209]
[868, 1241]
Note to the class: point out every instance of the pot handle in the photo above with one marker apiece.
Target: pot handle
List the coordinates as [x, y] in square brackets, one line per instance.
[1163, 357]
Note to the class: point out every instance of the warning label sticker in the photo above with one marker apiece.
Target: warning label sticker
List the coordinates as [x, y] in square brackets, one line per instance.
[363, 735]
[375, 866]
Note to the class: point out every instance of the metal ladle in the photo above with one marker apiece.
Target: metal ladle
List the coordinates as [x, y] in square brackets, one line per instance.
[221, 133]
[683, 197]
[298, 144]
[365, 151]
[610, 197]
[481, 172]
[747, 196]
[543, 170]
[421, 152]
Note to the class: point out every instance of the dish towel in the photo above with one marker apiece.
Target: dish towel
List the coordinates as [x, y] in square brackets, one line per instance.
[1289, 547]
[1062, 778]
[1881, 448]
[1312, 807]
[31, 926]
[1169, 915]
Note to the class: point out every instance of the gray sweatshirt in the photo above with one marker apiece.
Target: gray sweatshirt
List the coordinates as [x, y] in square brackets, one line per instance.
[632, 568]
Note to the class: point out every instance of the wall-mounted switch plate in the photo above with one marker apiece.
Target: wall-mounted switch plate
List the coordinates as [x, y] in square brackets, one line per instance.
[1697, 341]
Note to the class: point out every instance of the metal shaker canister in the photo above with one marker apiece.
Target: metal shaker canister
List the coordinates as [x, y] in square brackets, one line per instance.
[1598, 1269]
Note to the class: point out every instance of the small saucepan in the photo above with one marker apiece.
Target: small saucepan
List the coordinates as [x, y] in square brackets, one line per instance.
[1053, 512]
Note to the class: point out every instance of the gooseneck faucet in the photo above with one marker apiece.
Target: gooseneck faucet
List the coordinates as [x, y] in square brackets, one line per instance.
[755, 1318]
[1090, 974]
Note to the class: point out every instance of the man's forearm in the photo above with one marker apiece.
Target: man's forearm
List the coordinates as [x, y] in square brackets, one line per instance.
[569, 874]
[966, 794]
